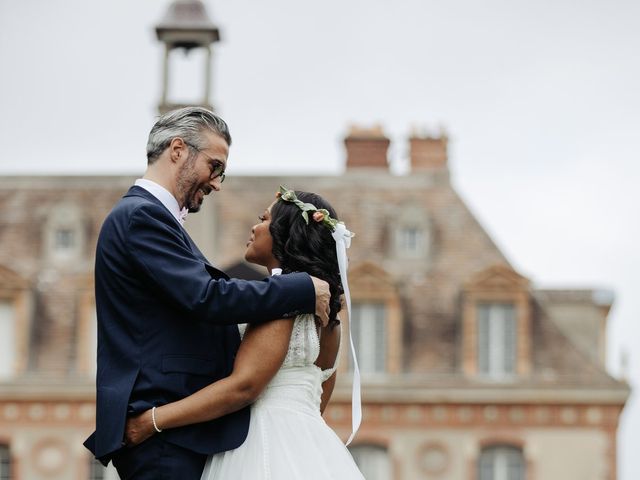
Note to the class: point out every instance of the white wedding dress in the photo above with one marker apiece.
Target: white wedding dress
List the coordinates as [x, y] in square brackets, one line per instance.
[288, 438]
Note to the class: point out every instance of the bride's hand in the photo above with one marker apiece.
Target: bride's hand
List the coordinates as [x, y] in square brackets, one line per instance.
[138, 429]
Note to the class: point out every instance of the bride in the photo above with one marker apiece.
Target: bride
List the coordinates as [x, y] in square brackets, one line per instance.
[285, 369]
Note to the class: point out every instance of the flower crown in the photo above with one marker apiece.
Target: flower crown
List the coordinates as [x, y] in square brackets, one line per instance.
[320, 215]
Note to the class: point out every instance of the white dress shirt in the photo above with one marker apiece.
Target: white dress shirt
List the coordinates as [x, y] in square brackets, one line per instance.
[162, 194]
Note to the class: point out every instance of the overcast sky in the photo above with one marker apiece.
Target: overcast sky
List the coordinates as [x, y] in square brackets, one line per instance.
[541, 101]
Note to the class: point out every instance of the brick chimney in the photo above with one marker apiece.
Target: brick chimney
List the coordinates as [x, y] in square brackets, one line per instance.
[428, 152]
[366, 147]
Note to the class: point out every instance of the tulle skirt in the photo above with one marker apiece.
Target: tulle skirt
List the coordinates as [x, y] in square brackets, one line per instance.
[288, 438]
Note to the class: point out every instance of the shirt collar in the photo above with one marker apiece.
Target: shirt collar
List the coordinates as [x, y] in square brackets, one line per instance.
[162, 194]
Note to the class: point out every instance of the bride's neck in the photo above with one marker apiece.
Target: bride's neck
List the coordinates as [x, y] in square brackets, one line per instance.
[272, 264]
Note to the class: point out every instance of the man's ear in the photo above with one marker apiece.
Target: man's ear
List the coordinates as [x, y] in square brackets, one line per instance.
[177, 149]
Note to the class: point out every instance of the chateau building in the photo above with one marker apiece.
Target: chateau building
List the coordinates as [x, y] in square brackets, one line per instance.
[469, 372]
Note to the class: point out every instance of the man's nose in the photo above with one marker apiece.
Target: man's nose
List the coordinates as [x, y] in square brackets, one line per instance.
[216, 184]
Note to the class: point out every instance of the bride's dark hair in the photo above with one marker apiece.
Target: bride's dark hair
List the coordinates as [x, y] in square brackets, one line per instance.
[307, 248]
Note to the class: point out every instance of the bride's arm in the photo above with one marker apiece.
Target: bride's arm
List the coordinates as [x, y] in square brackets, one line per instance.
[259, 358]
[329, 346]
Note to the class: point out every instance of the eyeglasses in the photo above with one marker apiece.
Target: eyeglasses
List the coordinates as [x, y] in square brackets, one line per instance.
[216, 166]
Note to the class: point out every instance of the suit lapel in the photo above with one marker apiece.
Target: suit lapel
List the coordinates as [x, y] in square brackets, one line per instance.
[136, 191]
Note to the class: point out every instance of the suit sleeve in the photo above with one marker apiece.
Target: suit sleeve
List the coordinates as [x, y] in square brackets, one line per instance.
[166, 262]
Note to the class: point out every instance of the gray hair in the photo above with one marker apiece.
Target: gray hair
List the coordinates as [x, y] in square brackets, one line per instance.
[187, 123]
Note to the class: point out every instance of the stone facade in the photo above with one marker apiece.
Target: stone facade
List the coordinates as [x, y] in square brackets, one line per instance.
[437, 402]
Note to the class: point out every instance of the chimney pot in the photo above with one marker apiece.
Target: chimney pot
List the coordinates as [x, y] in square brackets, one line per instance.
[366, 147]
[428, 152]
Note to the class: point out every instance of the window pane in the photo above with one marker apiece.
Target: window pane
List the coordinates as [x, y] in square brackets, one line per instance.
[501, 463]
[410, 241]
[496, 339]
[7, 340]
[65, 239]
[373, 461]
[5, 463]
[92, 342]
[509, 339]
[98, 472]
[368, 327]
[484, 346]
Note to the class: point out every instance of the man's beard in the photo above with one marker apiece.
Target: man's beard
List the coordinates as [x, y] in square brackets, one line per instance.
[188, 185]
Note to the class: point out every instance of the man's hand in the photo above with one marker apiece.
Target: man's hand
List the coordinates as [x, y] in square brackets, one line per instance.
[138, 429]
[323, 297]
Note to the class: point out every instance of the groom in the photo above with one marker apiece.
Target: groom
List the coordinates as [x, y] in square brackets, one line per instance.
[166, 316]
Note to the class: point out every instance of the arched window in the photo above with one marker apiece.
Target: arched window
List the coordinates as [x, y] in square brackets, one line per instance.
[373, 461]
[5, 463]
[501, 463]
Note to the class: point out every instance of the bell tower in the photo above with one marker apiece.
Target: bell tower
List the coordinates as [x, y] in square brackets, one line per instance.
[186, 26]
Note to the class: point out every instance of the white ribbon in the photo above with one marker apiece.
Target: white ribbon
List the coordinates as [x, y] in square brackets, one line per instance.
[342, 236]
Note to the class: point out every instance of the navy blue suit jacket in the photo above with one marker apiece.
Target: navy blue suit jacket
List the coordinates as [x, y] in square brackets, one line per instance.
[166, 323]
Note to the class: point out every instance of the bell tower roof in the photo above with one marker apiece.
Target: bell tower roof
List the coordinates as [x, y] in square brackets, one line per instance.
[186, 25]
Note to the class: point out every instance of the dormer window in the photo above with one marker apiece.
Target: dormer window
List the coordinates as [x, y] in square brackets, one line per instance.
[411, 241]
[376, 323]
[369, 331]
[496, 324]
[65, 239]
[411, 233]
[496, 340]
[64, 235]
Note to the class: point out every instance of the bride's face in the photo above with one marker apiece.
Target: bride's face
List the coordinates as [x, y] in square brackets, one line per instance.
[260, 245]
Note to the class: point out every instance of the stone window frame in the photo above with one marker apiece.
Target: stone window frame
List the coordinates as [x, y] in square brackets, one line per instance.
[496, 284]
[15, 289]
[369, 283]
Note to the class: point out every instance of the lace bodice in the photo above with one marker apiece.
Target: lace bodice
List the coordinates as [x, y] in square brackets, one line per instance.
[304, 346]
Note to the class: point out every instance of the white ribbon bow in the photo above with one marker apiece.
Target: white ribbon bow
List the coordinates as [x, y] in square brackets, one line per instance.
[342, 236]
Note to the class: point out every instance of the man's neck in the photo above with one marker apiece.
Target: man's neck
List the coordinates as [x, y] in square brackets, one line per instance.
[162, 179]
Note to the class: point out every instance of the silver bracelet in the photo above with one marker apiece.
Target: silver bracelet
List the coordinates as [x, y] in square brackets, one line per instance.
[153, 419]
